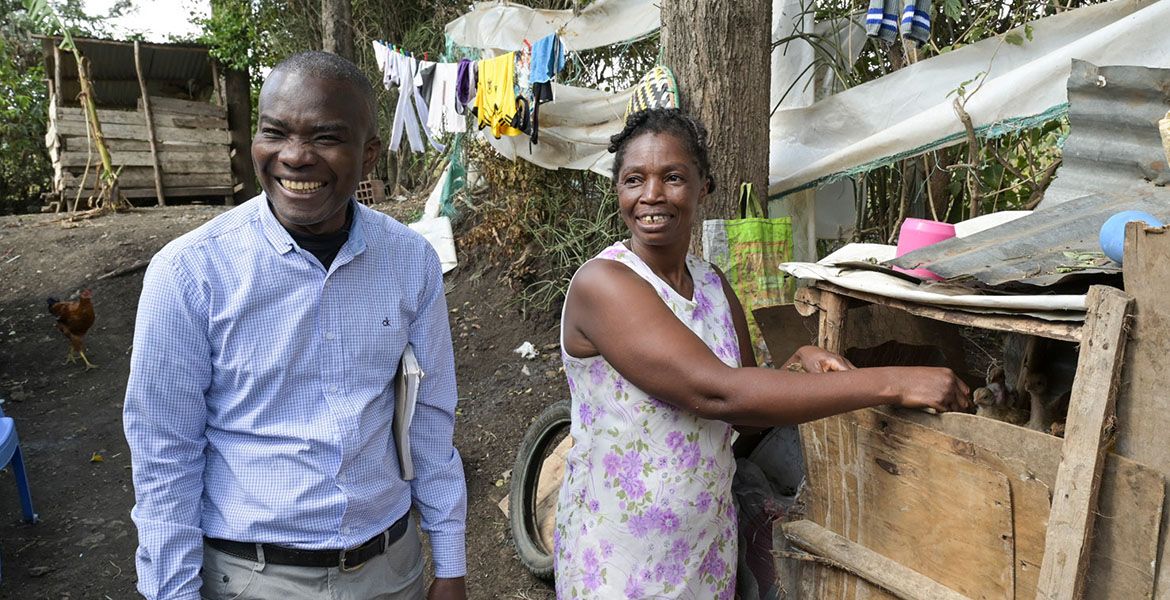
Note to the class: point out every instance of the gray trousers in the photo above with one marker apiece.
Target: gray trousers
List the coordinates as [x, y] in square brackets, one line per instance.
[397, 574]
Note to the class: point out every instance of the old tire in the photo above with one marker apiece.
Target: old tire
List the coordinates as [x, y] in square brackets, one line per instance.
[549, 429]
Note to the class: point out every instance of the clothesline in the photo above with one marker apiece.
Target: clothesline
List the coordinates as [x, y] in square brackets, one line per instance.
[503, 93]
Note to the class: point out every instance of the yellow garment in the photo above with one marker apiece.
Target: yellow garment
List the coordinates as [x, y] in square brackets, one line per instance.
[495, 98]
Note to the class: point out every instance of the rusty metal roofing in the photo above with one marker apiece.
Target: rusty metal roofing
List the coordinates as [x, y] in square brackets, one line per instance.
[1112, 161]
[173, 70]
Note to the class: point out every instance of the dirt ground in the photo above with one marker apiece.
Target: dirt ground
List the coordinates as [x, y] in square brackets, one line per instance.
[70, 420]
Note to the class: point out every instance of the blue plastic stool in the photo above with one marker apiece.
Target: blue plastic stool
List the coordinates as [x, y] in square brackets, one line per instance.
[10, 455]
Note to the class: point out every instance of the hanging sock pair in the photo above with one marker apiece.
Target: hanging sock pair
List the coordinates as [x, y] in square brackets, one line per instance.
[886, 19]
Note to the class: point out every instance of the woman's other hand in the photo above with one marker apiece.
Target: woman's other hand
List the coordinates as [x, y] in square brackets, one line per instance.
[813, 359]
[931, 388]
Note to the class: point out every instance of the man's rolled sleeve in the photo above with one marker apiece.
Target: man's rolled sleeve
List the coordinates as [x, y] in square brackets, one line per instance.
[164, 418]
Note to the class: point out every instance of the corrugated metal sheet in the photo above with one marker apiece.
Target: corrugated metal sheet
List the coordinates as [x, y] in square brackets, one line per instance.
[1113, 161]
[173, 70]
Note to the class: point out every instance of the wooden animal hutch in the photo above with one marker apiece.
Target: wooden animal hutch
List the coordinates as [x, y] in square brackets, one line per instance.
[177, 125]
[905, 504]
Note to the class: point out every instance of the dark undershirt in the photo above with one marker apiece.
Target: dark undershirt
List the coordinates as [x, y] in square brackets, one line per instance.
[324, 247]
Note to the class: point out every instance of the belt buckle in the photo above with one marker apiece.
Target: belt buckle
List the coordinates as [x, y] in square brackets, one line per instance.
[346, 568]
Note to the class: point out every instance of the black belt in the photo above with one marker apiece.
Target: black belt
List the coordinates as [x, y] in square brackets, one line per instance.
[345, 559]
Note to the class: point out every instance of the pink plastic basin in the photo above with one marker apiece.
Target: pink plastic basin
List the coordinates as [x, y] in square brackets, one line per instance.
[918, 233]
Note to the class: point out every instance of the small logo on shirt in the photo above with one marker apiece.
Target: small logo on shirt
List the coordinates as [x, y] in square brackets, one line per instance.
[386, 322]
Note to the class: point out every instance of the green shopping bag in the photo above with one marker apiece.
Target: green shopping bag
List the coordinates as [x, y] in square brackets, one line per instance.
[749, 251]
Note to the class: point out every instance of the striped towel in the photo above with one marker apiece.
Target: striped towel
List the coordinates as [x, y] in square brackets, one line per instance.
[886, 19]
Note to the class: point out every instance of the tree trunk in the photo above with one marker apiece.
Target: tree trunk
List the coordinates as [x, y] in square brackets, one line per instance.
[238, 90]
[720, 54]
[337, 28]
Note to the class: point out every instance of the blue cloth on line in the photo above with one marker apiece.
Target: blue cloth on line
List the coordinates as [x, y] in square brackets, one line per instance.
[260, 397]
[548, 58]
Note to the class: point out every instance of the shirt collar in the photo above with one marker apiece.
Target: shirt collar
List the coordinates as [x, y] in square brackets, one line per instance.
[283, 243]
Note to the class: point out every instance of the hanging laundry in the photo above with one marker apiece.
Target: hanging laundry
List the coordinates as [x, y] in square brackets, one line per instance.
[548, 58]
[495, 99]
[522, 120]
[425, 79]
[444, 105]
[465, 85]
[411, 113]
[886, 19]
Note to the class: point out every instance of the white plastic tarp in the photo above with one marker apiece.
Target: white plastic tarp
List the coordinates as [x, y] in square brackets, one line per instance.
[901, 114]
[911, 110]
[1048, 307]
[502, 26]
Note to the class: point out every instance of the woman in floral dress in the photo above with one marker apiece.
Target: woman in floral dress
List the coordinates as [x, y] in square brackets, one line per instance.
[653, 340]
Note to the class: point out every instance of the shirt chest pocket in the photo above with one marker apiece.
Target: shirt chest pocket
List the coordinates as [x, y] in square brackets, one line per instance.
[374, 345]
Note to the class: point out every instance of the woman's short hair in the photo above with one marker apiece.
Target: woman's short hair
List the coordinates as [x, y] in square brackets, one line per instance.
[672, 121]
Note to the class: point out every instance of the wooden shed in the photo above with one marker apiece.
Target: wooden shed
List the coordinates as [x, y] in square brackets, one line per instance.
[177, 125]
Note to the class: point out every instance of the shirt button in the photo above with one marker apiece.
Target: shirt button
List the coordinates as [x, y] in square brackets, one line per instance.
[330, 335]
[333, 389]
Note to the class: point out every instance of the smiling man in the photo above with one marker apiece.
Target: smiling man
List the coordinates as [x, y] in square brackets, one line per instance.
[260, 399]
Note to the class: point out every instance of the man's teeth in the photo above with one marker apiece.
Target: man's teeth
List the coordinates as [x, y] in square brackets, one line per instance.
[301, 186]
[652, 219]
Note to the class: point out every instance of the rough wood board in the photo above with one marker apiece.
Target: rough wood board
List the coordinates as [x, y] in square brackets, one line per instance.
[131, 177]
[135, 117]
[187, 107]
[1030, 496]
[1074, 502]
[926, 507]
[1142, 414]
[784, 329]
[1129, 510]
[139, 132]
[871, 566]
[173, 161]
[1027, 325]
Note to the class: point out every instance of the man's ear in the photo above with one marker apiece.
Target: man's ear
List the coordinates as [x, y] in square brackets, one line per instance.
[370, 155]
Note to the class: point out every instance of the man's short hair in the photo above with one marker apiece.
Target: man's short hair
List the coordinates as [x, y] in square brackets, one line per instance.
[326, 65]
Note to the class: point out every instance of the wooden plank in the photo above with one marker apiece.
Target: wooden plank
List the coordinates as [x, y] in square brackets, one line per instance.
[1030, 495]
[832, 321]
[218, 158]
[1090, 418]
[139, 132]
[1059, 330]
[148, 117]
[187, 107]
[142, 177]
[859, 560]
[784, 329]
[1125, 547]
[78, 144]
[926, 504]
[1143, 419]
[134, 117]
[179, 191]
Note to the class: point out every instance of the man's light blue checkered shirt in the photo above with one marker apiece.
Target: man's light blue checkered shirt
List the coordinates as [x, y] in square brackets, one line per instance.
[261, 395]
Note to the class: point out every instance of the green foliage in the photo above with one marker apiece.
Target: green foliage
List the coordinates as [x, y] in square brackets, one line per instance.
[543, 224]
[230, 31]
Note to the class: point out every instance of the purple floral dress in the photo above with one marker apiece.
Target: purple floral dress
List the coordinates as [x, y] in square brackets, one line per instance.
[646, 510]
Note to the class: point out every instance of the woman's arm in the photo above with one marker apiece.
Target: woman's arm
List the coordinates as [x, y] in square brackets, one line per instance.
[613, 312]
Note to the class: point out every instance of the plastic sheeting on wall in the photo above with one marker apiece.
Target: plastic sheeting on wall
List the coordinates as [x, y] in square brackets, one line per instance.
[901, 114]
[910, 110]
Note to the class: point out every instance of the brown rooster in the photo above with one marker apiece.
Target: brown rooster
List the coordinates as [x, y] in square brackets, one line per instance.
[74, 318]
